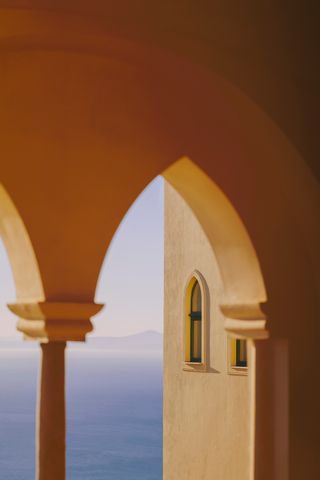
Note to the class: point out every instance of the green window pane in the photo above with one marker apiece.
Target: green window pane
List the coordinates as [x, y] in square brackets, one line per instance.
[196, 340]
[196, 298]
[196, 324]
[241, 353]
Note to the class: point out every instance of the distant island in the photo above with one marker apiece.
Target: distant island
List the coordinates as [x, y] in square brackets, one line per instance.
[147, 340]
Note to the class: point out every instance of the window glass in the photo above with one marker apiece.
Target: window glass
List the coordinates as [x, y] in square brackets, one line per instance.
[196, 298]
[196, 341]
[196, 324]
[241, 353]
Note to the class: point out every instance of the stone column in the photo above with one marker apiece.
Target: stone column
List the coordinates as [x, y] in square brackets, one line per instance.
[270, 385]
[248, 322]
[51, 418]
[269, 392]
[53, 324]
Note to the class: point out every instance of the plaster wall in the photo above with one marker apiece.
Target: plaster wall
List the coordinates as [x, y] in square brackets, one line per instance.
[206, 418]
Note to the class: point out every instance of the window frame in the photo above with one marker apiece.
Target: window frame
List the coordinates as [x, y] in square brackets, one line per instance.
[194, 317]
[188, 364]
[233, 367]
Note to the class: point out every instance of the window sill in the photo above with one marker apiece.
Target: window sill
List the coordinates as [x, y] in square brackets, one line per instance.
[234, 370]
[194, 367]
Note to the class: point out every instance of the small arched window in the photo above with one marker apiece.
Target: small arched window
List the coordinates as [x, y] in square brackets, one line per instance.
[196, 323]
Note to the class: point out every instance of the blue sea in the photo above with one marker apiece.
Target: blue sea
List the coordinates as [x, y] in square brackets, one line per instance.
[114, 410]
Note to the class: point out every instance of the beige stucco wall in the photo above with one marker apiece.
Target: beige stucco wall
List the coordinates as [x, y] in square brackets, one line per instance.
[206, 421]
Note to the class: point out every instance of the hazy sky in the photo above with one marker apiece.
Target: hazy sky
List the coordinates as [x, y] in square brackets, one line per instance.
[131, 279]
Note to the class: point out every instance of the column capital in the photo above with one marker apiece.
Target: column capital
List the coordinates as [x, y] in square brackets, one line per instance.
[245, 321]
[54, 321]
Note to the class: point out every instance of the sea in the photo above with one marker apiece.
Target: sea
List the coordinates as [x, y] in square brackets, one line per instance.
[114, 414]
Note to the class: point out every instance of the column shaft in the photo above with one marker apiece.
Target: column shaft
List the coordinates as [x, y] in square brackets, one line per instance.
[51, 422]
[271, 410]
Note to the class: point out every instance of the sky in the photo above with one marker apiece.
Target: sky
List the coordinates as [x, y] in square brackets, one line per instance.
[131, 279]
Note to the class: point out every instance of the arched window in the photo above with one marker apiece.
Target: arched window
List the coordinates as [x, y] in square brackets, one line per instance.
[196, 323]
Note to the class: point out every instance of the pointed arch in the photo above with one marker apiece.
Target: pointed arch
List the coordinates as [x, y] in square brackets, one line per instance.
[244, 288]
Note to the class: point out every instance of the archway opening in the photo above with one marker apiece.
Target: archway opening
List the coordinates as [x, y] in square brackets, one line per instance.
[236, 285]
[114, 380]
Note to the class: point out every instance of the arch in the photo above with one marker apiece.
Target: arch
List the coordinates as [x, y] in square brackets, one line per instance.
[225, 231]
[142, 118]
[244, 289]
[141, 124]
